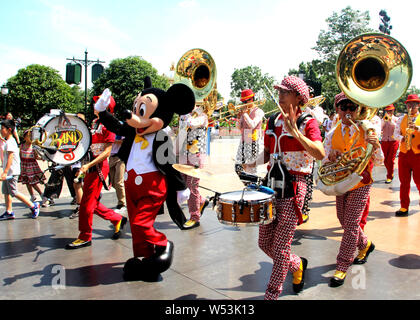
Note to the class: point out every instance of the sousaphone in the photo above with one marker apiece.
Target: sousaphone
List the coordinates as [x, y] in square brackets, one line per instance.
[197, 69]
[373, 70]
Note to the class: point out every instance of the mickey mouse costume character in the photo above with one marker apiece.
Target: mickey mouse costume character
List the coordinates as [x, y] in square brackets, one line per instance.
[150, 179]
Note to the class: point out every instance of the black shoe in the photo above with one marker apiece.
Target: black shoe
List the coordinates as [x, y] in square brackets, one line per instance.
[337, 281]
[298, 287]
[77, 244]
[358, 260]
[75, 213]
[203, 207]
[400, 213]
[117, 234]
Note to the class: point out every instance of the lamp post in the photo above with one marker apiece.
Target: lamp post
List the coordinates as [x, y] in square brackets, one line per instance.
[85, 62]
[4, 92]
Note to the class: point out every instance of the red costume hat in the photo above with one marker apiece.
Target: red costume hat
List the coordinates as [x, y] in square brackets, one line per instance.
[412, 97]
[111, 103]
[390, 108]
[293, 83]
[246, 94]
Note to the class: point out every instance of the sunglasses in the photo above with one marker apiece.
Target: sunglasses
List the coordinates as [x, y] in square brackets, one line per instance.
[351, 108]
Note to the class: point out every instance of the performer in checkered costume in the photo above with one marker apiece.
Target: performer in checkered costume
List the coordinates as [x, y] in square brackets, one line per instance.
[351, 205]
[193, 152]
[297, 148]
[250, 125]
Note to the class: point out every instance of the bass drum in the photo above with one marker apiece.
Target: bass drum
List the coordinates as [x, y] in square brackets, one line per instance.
[63, 138]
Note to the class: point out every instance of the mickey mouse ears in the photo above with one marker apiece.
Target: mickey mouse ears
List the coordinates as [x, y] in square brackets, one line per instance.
[180, 98]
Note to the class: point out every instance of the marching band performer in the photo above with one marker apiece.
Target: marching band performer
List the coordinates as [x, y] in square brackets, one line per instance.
[407, 131]
[291, 144]
[351, 205]
[95, 173]
[388, 142]
[193, 152]
[249, 122]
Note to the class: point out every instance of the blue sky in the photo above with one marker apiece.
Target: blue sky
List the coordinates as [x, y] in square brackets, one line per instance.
[275, 35]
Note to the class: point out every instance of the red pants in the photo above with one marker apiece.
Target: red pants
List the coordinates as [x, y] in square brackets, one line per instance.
[275, 239]
[389, 148]
[145, 195]
[90, 204]
[350, 208]
[408, 163]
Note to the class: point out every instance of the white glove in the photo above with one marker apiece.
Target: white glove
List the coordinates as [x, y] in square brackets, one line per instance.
[183, 196]
[104, 101]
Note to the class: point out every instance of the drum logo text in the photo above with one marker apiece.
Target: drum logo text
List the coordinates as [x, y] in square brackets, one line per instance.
[66, 141]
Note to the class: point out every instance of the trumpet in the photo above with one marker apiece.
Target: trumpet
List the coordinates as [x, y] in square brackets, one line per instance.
[234, 110]
[387, 117]
[409, 132]
[315, 101]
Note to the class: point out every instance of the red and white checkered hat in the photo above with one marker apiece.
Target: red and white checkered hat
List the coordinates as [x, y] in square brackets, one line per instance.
[340, 97]
[295, 84]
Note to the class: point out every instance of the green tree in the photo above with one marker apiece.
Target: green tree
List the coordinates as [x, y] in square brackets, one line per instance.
[342, 27]
[400, 103]
[251, 77]
[125, 78]
[36, 89]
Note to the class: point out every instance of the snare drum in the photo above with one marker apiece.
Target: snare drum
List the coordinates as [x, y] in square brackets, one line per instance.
[248, 207]
[66, 134]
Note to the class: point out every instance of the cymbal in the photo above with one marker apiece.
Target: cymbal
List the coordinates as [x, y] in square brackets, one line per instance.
[193, 171]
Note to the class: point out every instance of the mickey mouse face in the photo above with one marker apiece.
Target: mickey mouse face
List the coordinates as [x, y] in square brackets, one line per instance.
[145, 106]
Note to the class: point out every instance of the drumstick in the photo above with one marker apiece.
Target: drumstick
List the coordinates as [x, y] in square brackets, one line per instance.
[275, 101]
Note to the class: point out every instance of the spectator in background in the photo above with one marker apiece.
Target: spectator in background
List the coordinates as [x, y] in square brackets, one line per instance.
[116, 175]
[30, 174]
[9, 116]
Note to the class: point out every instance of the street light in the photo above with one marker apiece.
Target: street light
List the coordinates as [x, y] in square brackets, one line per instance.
[4, 92]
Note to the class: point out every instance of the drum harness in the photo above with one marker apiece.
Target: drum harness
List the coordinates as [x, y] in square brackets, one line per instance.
[278, 177]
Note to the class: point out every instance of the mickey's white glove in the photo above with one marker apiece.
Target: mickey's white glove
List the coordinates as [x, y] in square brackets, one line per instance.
[103, 102]
[183, 196]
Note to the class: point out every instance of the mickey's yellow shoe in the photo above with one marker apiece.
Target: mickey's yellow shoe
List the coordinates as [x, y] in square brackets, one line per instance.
[305, 217]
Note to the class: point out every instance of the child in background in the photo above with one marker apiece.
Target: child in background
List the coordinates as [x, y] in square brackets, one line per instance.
[11, 171]
[30, 173]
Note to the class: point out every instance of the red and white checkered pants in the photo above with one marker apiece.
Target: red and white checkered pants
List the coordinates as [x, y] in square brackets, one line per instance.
[275, 239]
[350, 207]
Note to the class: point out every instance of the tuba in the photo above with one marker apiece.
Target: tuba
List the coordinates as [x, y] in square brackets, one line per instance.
[197, 69]
[373, 70]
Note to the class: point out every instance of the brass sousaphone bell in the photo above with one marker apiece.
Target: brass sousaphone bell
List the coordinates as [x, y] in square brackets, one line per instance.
[373, 70]
[197, 69]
